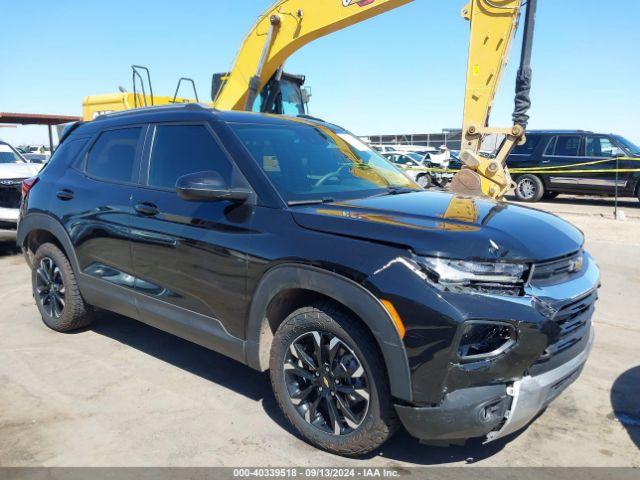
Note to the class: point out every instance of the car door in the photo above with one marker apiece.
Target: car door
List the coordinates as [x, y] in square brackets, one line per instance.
[190, 257]
[601, 176]
[562, 152]
[93, 201]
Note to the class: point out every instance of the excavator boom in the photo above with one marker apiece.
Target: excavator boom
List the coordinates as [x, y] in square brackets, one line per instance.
[290, 24]
[284, 28]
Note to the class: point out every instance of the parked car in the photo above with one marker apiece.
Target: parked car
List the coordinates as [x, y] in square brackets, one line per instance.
[39, 158]
[13, 170]
[384, 148]
[291, 246]
[425, 179]
[564, 148]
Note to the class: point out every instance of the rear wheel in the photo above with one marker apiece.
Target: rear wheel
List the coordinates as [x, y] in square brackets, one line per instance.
[529, 188]
[56, 292]
[330, 382]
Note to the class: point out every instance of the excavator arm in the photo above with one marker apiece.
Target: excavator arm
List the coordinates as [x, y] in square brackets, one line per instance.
[288, 25]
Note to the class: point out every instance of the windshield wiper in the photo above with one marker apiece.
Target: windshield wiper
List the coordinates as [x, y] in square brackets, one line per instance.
[317, 201]
[397, 191]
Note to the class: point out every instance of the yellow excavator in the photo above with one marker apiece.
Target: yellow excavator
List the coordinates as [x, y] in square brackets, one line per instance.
[257, 81]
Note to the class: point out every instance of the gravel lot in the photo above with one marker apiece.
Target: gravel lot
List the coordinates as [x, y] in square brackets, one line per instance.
[125, 394]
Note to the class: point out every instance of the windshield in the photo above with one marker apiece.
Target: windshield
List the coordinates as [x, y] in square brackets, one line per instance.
[9, 155]
[416, 156]
[309, 162]
[628, 145]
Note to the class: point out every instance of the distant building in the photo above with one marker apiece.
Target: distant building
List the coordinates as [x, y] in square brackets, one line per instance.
[450, 137]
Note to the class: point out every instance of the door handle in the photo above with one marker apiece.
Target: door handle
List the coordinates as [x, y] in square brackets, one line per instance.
[64, 194]
[148, 209]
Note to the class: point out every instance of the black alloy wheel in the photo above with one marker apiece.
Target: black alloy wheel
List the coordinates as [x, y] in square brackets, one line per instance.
[50, 288]
[326, 382]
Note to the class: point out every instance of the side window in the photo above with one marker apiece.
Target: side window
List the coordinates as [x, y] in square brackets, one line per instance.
[528, 148]
[599, 147]
[69, 150]
[113, 155]
[551, 146]
[567, 146]
[182, 149]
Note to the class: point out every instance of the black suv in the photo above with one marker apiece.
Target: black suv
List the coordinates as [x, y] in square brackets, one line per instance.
[289, 245]
[574, 162]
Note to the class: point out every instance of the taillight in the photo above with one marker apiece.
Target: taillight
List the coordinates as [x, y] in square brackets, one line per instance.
[28, 185]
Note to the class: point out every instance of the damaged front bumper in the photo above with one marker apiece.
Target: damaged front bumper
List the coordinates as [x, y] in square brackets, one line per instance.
[493, 411]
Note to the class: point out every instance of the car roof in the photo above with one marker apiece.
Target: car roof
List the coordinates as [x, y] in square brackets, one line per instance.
[194, 111]
[559, 132]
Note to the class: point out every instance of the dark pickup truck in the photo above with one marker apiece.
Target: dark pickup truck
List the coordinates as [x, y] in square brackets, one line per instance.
[575, 162]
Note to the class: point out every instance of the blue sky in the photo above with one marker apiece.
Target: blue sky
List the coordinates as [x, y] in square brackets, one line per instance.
[402, 72]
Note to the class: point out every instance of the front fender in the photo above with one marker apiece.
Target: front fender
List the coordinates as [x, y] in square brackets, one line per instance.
[350, 294]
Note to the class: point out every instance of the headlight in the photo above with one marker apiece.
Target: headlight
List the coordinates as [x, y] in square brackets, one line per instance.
[486, 277]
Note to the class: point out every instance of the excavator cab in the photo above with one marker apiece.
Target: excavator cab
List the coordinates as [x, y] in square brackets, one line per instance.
[283, 94]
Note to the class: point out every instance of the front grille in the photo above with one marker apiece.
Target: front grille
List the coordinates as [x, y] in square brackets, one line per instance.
[557, 271]
[10, 193]
[573, 322]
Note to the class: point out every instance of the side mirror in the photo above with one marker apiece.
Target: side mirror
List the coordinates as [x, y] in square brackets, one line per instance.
[207, 187]
[617, 152]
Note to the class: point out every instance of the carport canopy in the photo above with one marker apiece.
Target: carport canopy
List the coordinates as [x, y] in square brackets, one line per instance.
[37, 119]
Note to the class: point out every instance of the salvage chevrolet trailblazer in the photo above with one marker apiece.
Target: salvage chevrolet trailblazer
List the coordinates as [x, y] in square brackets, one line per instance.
[289, 245]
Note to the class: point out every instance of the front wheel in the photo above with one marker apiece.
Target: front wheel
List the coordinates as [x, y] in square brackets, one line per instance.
[330, 382]
[424, 181]
[529, 188]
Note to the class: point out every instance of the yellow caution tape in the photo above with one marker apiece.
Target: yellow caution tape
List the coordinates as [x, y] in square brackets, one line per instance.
[548, 170]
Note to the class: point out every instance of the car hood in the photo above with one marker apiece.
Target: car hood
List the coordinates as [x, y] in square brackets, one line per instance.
[444, 224]
[19, 170]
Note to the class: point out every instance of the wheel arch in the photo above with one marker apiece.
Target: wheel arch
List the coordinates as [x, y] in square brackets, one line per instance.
[37, 228]
[313, 281]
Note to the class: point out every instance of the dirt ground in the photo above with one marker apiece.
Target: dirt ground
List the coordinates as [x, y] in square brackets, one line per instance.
[125, 394]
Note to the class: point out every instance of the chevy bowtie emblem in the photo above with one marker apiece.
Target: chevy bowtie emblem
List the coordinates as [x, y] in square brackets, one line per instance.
[360, 3]
[326, 382]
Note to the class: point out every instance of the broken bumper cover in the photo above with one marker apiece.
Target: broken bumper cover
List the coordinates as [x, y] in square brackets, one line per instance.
[532, 394]
[491, 411]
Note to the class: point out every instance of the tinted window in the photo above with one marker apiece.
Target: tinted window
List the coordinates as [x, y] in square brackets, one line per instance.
[527, 149]
[182, 149]
[69, 150]
[113, 155]
[310, 162]
[551, 146]
[598, 147]
[568, 146]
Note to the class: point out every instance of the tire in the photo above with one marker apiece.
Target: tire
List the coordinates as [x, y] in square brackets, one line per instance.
[371, 421]
[56, 292]
[529, 188]
[549, 195]
[424, 181]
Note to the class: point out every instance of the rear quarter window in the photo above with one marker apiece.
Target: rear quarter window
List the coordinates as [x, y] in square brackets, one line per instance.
[113, 156]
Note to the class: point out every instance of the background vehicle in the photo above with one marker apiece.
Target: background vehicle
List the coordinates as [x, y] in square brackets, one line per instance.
[384, 148]
[13, 170]
[423, 178]
[289, 245]
[39, 158]
[574, 162]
